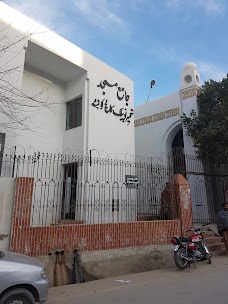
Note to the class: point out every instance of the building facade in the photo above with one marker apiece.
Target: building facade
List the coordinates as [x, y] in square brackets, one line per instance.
[68, 121]
[160, 135]
[67, 111]
[88, 105]
[158, 124]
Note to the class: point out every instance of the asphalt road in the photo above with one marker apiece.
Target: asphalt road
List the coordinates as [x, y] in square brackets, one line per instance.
[206, 284]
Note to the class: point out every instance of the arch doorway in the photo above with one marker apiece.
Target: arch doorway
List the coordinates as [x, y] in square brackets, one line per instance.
[179, 164]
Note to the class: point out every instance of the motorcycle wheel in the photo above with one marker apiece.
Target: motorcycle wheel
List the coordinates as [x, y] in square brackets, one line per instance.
[179, 259]
[206, 255]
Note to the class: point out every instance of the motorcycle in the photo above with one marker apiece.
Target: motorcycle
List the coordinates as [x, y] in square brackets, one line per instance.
[191, 249]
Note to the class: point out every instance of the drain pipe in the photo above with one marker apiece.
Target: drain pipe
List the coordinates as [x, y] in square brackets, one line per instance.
[85, 141]
[86, 116]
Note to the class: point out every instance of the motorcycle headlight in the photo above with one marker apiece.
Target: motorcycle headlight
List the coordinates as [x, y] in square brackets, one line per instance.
[43, 274]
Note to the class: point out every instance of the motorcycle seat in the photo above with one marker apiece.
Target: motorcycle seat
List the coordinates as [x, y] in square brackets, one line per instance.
[185, 240]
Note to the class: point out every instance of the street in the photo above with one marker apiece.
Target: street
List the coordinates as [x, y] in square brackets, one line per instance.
[206, 284]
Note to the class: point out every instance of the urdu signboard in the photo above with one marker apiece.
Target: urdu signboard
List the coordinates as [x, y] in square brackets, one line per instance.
[132, 181]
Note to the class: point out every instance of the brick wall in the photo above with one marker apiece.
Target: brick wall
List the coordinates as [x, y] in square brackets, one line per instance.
[183, 200]
[21, 211]
[35, 241]
[42, 240]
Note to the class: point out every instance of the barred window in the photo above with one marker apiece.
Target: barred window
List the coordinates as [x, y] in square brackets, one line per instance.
[74, 114]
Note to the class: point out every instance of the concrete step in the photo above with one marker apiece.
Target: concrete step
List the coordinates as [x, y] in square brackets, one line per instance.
[218, 253]
[215, 247]
[69, 222]
[143, 218]
[213, 240]
[209, 234]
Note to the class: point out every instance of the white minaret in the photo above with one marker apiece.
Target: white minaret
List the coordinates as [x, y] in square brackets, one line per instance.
[189, 90]
[190, 76]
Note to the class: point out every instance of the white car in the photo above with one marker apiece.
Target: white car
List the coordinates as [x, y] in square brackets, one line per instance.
[22, 279]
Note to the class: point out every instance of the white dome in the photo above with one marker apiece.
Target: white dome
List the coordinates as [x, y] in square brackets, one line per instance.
[189, 66]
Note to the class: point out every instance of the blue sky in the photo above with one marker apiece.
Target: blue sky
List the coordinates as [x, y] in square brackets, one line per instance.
[144, 39]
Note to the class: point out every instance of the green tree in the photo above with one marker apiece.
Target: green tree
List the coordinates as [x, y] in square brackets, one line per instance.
[209, 128]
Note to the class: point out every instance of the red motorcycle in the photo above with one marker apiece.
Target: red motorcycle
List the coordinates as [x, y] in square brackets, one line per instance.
[189, 250]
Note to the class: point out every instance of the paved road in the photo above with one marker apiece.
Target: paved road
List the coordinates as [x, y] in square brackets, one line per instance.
[207, 284]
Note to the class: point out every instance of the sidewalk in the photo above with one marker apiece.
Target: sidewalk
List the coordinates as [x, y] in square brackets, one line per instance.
[78, 293]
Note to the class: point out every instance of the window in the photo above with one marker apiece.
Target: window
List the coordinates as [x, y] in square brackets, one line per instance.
[188, 79]
[74, 114]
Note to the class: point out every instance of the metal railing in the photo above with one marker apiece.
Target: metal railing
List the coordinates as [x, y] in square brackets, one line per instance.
[84, 189]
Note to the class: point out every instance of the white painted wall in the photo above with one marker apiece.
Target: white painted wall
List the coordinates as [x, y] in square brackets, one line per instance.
[11, 65]
[7, 186]
[187, 106]
[100, 131]
[155, 139]
[151, 139]
[47, 124]
[73, 140]
[62, 72]
[199, 196]
[106, 132]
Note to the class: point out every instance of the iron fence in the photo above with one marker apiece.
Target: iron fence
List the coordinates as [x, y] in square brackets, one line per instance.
[208, 183]
[84, 189]
[55, 202]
